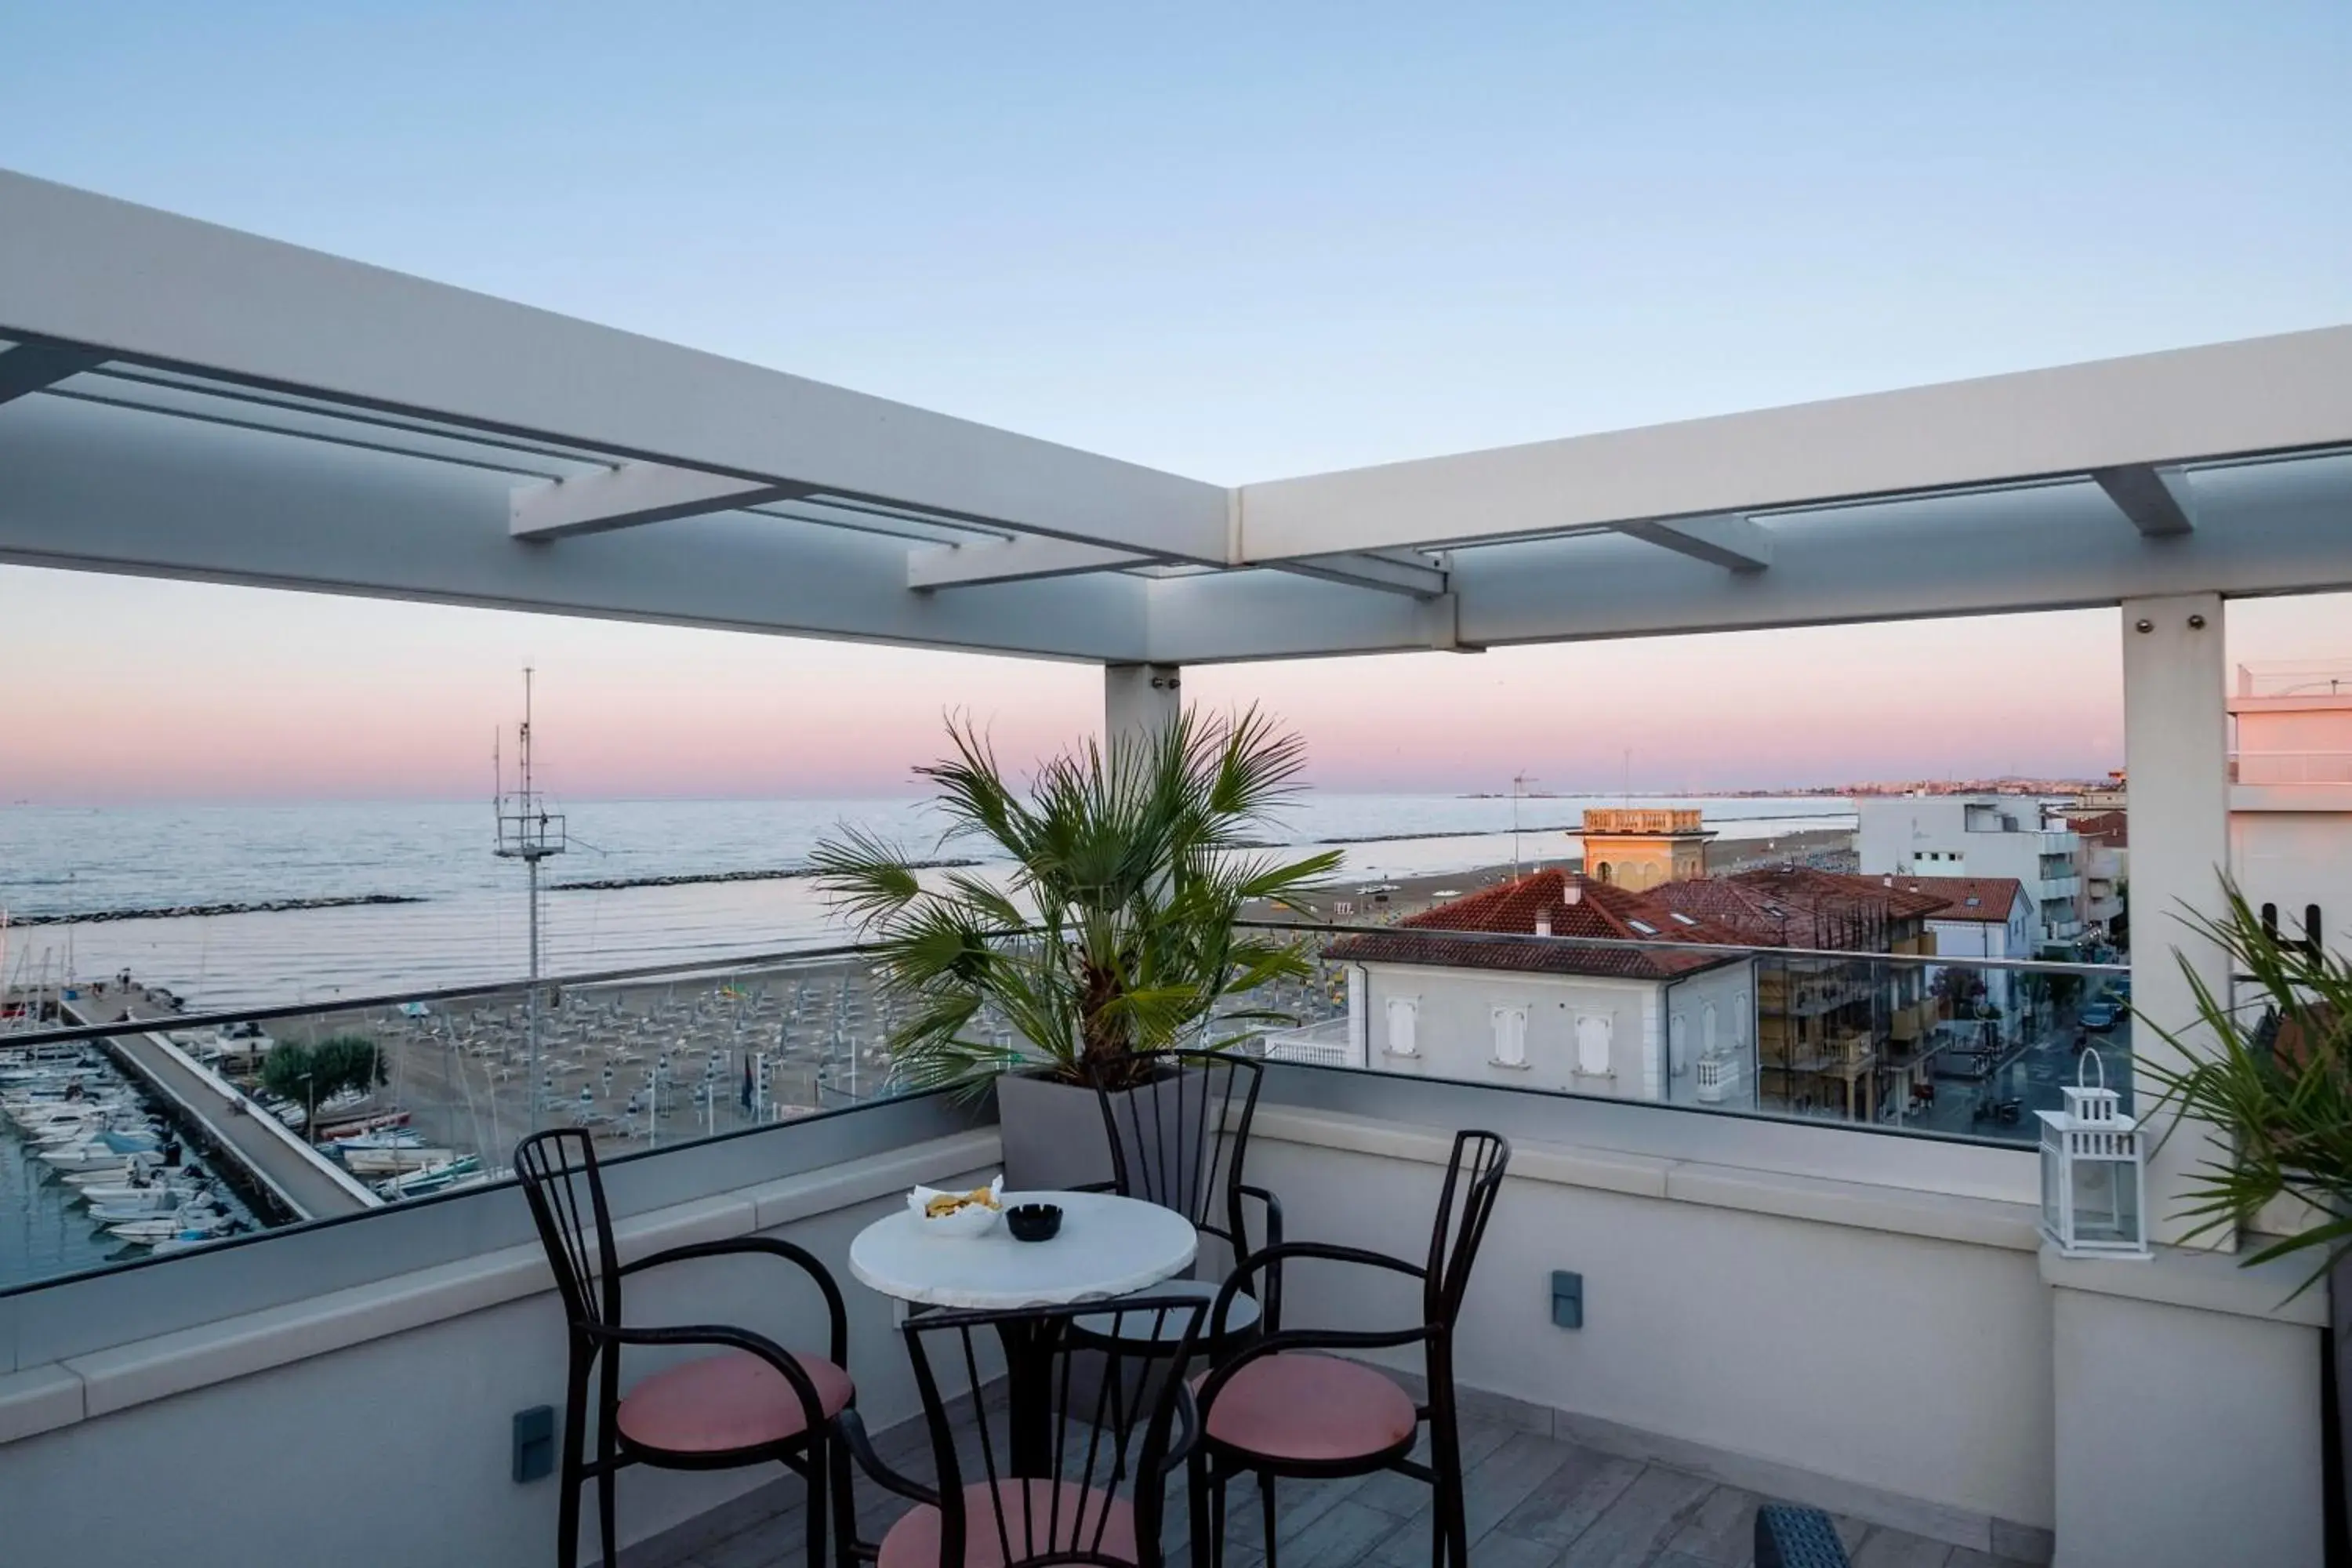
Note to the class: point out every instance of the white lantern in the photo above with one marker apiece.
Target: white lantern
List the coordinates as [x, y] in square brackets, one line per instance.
[2094, 1178]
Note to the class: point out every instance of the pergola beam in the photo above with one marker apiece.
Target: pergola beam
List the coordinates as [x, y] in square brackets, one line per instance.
[1734, 543]
[2263, 396]
[29, 367]
[2155, 499]
[1364, 569]
[629, 495]
[1022, 559]
[153, 289]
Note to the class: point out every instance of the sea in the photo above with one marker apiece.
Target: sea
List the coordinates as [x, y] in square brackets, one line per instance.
[470, 921]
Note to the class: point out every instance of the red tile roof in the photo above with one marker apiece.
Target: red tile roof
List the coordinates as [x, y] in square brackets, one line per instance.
[1576, 906]
[1798, 906]
[1985, 899]
[2111, 827]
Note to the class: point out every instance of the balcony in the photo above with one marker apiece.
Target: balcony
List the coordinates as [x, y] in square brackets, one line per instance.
[375, 1362]
[2291, 767]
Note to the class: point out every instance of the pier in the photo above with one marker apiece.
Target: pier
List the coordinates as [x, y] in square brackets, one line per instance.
[304, 1183]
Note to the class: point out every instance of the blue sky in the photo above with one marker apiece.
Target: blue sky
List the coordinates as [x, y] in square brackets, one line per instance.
[1246, 241]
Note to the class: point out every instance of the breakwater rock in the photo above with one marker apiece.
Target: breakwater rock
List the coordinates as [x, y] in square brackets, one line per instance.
[190, 912]
[688, 879]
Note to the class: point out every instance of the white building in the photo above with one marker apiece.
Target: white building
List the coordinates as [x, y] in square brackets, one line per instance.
[1980, 836]
[1983, 917]
[2291, 797]
[1449, 995]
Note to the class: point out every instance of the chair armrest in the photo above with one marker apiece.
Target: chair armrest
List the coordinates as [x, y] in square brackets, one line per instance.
[758, 1344]
[1270, 1295]
[861, 1448]
[1280, 1339]
[1187, 1429]
[1109, 1184]
[836, 1310]
[1268, 1259]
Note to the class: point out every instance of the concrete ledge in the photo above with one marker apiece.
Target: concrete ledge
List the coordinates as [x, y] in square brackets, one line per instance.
[1910, 1211]
[1867, 1205]
[39, 1401]
[2203, 1280]
[43, 1398]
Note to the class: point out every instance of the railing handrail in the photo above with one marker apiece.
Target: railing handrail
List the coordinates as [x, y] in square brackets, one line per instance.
[672, 969]
[1919, 961]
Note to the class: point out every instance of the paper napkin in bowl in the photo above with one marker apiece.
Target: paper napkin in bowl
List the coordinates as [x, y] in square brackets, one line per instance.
[975, 1215]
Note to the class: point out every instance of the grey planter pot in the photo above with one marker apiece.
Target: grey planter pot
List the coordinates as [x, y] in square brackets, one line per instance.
[1055, 1140]
[1053, 1134]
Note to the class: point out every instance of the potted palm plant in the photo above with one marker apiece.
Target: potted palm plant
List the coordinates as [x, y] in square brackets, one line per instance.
[2267, 1078]
[1114, 935]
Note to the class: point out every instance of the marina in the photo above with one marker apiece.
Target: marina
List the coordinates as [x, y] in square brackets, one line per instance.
[92, 1171]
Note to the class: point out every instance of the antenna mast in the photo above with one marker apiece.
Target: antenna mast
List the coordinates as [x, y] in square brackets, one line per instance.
[1520, 783]
[527, 831]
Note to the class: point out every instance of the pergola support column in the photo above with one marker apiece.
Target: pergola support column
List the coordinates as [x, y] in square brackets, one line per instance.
[2176, 747]
[1141, 700]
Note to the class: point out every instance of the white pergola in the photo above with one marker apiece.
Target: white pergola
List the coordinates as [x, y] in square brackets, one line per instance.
[182, 400]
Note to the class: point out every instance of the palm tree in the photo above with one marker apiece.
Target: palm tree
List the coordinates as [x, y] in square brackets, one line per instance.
[1116, 933]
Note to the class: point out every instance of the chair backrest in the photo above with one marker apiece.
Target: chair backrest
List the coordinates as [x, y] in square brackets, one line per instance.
[1473, 1178]
[566, 1192]
[1096, 1493]
[1178, 1138]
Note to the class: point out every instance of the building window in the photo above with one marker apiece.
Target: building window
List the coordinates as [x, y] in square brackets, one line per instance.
[1606, 874]
[1593, 1036]
[1677, 1046]
[1404, 1015]
[1739, 1019]
[1706, 1028]
[1510, 1036]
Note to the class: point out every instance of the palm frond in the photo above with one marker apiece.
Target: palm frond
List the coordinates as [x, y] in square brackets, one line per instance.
[2268, 1082]
[1113, 930]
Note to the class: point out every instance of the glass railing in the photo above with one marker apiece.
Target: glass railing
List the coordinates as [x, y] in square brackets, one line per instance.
[1906, 1041]
[129, 1128]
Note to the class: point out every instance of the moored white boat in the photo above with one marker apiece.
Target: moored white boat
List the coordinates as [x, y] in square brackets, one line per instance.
[386, 1162]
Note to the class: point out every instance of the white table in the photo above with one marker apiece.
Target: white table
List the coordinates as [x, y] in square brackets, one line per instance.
[1107, 1247]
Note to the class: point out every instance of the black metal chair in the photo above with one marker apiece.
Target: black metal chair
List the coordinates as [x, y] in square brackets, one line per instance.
[1274, 1410]
[753, 1403]
[1073, 1470]
[1180, 1140]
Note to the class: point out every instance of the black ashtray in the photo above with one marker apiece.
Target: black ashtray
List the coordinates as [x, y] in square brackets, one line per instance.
[1034, 1221]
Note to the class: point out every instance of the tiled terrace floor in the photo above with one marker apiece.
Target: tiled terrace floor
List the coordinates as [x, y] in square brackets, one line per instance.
[1534, 1503]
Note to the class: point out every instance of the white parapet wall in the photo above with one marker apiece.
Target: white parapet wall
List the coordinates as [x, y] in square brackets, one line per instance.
[373, 1424]
[1895, 1354]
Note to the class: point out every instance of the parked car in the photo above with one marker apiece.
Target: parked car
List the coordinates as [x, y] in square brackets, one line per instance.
[2100, 1015]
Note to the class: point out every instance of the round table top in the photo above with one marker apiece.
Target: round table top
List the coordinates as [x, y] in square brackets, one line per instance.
[1107, 1245]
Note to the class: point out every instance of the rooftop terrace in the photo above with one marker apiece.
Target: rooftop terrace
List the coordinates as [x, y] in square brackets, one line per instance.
[1829, 1312]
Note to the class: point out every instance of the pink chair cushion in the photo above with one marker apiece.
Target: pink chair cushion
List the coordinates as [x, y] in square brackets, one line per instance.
[1067, 1524]
[1315, 1409]
[732, 1400]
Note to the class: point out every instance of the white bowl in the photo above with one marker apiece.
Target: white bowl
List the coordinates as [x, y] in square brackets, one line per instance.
[972, 1219]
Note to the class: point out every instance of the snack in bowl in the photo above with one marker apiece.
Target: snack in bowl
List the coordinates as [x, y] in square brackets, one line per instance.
[948, 1212]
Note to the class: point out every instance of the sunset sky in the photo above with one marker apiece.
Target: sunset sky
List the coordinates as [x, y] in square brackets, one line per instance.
[1231, 241]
